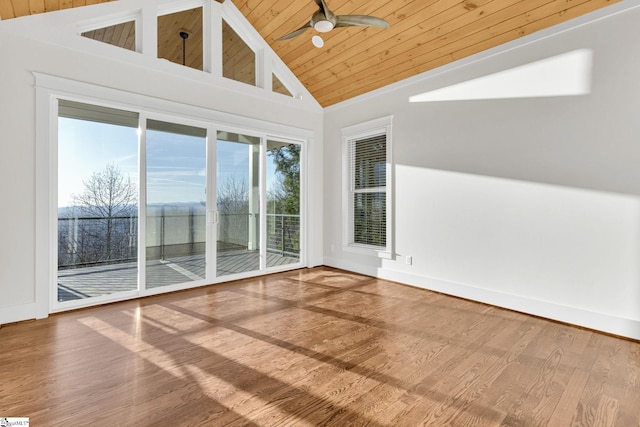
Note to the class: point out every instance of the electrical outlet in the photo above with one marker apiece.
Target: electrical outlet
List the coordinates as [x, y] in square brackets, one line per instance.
[409, 260]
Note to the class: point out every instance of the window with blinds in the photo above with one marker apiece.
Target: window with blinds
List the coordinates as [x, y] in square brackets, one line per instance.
[367, 158]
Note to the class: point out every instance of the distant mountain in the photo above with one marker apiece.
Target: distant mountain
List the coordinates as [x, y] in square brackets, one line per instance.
[80, 212]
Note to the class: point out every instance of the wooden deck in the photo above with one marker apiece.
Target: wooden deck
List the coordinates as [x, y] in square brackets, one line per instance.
[95, 281]
[314, 347]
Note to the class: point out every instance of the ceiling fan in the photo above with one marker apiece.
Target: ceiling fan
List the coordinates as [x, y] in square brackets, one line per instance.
[324, 20]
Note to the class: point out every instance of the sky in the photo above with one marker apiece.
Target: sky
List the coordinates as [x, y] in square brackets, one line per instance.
[176, 164]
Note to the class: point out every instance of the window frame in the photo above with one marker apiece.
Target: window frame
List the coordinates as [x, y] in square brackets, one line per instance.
[117, 19]
[51, 89]
[372, 128]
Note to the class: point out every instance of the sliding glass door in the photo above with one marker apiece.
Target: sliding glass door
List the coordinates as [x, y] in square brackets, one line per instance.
[238, 203]
[146, 204]
[258, 202]
[283, 203]
[97, 207]
[176, 162]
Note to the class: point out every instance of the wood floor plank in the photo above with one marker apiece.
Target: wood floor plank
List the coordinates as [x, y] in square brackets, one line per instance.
[314, 347]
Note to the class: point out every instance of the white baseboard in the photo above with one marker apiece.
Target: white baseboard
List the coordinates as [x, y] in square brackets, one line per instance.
[573, 315]
[17, 313]
[351, 266]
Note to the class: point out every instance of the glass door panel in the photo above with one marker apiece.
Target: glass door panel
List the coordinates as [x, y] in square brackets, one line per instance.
[255, 209]
[238, 203]
[176, 204]
[97, 201]
[283, 203]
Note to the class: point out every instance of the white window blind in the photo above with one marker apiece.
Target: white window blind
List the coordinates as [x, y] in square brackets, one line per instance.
[367, 159]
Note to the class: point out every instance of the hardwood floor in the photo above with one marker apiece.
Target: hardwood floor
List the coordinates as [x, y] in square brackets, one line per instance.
[314, 347]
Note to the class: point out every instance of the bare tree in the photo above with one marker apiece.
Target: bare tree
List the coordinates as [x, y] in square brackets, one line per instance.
[275, 193]
[233, 207]
[233, 196]
[109, 201]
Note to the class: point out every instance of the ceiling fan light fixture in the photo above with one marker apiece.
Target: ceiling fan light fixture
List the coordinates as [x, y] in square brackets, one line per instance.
[317, 41]
[324, 20]
[323, 26]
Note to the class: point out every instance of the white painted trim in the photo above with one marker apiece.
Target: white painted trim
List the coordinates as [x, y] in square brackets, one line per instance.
[175, 6]
[368, 128]
[262, 202]
[215, 44]
[18, 313]
[305, 212]
[347, 265]
[142, 201]
[576, 316]
[114, 19]
[261, 71]
[211, 221]
[139, 28]
[569, 25]
[146, 41]
[60, 306]
[123, 100]
[208, 36]
[45, 126]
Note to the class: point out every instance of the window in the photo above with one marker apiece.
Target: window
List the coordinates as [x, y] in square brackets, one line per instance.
[238, 59]
[157, 155]
[278, 87]
[180, 38]
[122, 35]
[97, 197]
[367, 193]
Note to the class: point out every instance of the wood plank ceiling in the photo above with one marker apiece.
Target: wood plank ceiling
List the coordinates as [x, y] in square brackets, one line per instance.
[424, 34]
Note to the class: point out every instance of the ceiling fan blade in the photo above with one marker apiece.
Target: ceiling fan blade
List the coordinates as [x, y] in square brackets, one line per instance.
[324, 8]
[295, 33]
[360, 21]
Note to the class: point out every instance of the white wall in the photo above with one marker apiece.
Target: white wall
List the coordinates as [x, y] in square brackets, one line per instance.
[532, 204]
[21, 56]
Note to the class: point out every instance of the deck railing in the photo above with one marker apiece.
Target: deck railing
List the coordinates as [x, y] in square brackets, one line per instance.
[283, 234]
[110, 240]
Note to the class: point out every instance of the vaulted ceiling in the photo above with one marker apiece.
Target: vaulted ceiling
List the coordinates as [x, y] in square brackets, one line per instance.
[424, 34]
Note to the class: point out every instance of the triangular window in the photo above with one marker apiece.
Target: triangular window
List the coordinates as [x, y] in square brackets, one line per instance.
[238, 59]
[209, 36]
[180, 38]
[121, 35]
[279, 87]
